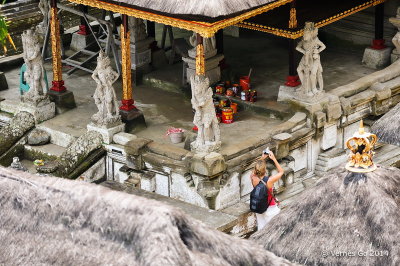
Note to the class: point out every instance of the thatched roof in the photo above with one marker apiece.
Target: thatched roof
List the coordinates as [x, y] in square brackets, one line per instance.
[194, 9]
[53, 221]
[343, 215]
[387, 128]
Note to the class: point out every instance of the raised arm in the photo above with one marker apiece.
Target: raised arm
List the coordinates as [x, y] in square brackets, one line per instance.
[275, 178]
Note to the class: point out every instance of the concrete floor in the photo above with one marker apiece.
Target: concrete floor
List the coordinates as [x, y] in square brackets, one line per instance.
[266, 55]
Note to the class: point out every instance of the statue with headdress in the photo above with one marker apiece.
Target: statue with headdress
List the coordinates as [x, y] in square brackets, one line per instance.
[35, 73]
[104, 95]
[310, 68]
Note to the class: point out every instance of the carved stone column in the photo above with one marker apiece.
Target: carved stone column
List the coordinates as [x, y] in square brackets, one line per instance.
[63, 99]
[128, 111]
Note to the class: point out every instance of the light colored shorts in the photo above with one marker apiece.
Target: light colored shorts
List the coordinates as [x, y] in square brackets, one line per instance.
[264, 218]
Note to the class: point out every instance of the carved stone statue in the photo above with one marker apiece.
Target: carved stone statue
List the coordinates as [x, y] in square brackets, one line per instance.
[137, 29]
[104, 96]
[208, 135]
[310, 68]
[209, 44]
[44, 7]
[34, 75]
[17, 165]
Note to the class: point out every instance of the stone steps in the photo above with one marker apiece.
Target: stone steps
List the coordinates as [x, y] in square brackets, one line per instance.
[329, 160]
[58, 136]
[48, 152]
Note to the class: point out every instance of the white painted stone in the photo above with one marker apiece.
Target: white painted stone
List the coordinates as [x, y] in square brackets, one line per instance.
[148, 184]
[162, 185]
[245, 183]
[79, 41]
[41, 113]
[229, 194]
[376, 59]
[123, 138]
[330, 136]
[107, 133]
[181, 191]
[300, 158]
[314, 152]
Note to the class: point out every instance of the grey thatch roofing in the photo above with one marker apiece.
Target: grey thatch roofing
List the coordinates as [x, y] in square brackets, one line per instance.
[196, 8]
[335, 217]
[387, 128]
[53, 221]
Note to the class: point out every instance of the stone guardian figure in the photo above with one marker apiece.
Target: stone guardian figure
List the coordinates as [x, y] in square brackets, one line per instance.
[44, 7]
[208, 135]
[34, 74]
[310, 68]
[104, 95]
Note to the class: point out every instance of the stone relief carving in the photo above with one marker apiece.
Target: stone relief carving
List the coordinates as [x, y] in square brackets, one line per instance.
[104, 96]
[35, 74]
[137, 29]
[208, 135]
[310, 68]
[44, 7]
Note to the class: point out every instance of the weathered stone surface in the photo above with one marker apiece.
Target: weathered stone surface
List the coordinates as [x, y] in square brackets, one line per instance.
[136, 146]
[41, 113]
[123, 138]
[376, 58]
[167, 150]
[298, 118]
[282, 141]
[330, 137]
[381, 90]
[209, 164]
[79, 41]
[107, 133]
[38, 137]
[15, 130]
[3, 82]
[320, 119]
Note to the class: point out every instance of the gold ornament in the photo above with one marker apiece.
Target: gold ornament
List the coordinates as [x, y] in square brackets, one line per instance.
[126, 64]
[293, 19]
[56, 45]
[200, 62]
[361, 145]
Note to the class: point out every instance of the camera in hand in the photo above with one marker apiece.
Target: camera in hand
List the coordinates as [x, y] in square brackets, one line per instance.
[267, 151]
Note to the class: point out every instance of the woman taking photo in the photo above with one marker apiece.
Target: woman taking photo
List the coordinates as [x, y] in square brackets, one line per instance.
[260, 173]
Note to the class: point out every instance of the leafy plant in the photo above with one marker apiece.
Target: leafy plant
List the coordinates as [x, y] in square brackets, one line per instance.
[4, 35]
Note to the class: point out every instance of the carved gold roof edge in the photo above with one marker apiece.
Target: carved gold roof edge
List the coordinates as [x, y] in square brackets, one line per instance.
[299, 33]
[205, 29]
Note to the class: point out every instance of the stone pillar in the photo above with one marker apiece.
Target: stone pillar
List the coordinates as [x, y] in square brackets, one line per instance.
[292, 79]
[63, 98]
[212, 59]
[128, 111]
[81, 39]
[378, 55]
[396, 39]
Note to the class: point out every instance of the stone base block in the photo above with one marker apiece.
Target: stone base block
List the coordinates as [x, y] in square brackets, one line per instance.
[107, 133]
[3, 82]
[64, 100]
[213, 71]
[286, 93]
[133, 119]
[41, 113]
[376, 59]
[79, 42]
[208, 164]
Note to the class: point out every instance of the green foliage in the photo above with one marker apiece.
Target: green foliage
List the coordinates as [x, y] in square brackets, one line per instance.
[3, 31]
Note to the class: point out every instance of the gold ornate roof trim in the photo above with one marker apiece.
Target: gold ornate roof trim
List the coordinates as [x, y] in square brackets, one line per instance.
[205, 29]
[297, 34]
